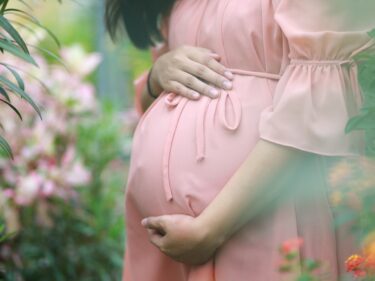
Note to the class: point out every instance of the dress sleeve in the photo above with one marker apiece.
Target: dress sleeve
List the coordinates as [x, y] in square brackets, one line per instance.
[319, 90]
[141, 81]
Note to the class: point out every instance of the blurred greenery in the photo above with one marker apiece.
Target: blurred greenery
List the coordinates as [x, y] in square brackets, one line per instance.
[86, 241]
[365, 120]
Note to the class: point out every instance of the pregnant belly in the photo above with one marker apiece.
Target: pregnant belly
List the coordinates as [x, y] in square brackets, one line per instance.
[185, 151]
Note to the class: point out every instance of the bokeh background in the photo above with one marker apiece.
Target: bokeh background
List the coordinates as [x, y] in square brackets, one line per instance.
[62, 196]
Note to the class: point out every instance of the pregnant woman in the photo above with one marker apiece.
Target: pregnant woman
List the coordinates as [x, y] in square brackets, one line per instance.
[231, 159]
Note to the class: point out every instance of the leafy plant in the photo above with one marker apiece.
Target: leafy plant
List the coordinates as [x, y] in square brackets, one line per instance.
[352, 196]
[62, 189]
[303, 268]
[12, 42]
[366, 119]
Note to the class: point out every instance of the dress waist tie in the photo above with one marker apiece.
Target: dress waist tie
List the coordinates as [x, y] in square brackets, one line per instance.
[178, 103]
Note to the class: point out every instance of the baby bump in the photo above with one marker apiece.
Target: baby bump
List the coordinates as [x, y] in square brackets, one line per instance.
[184, 151]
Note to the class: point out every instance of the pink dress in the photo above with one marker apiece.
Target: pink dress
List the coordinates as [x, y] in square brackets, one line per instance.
[295, 84]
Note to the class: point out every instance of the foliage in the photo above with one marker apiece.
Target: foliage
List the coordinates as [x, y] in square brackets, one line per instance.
[366, 119]
[305, 269]
[353, 197]
[13, 43]
[62, 189]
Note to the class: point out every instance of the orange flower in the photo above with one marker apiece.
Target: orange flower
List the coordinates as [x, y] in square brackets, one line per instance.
[370, 263]
[369, 245]
[369, 252]
[359, 273]
[353, 264]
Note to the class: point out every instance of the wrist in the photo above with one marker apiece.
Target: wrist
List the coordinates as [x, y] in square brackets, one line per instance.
[153, 86]
[209, 233]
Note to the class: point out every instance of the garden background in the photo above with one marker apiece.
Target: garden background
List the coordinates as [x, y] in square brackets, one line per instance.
[61, 197]
[62, 176]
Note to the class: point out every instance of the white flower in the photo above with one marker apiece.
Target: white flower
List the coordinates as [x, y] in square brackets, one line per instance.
[28, 188]
[78, 175]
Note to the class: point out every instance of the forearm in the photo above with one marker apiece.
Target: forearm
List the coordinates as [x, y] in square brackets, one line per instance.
[251, 189]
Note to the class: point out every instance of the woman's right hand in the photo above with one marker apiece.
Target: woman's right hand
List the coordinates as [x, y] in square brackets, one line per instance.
[190, 72]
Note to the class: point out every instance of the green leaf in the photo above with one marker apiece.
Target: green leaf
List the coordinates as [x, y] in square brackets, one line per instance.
[311, 264]
[6, 147]
[372, 33]
[22, 93]
[4, 23]
[291, 256]
[33, 20]
[51, 54]
[4, 4]
[4, 93]
[20, 82]
[12, 107]
[7, 236]
[13, 49]
[363, 121]
[305, 277]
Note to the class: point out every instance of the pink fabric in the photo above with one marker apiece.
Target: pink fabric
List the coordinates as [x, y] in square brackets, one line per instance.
[319, 90]
[185, 151]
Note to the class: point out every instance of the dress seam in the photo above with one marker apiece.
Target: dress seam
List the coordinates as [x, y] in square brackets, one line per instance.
[221, 31]
[271, 94]
[262, 32]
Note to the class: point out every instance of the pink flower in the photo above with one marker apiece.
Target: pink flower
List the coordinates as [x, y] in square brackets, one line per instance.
[8, 193]
[69, 156]
[291, 245]
[48, 188]
[78, 175]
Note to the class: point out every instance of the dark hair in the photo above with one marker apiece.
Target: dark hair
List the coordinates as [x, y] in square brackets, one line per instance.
[139, 17]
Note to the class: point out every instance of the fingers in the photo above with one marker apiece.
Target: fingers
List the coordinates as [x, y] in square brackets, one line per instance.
[155, 237]
[215, 56]
[155, 223]
[208, 60]
[207, 74]
[193, 71]
[193, 83]
[180, 89]
[156, 230]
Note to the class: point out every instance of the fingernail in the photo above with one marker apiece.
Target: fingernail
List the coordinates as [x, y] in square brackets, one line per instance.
[227, 85]
[214, 92]
[215, 56]
[144, 222]
[195, 95]
[228, 74]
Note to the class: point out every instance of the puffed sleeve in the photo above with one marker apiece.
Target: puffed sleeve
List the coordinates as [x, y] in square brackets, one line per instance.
[319, 91]
[140, 82]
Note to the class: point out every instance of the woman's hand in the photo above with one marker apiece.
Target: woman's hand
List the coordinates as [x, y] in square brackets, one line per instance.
[182, 238]
[191, 72]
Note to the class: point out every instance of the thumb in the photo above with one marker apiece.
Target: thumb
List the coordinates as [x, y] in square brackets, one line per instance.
[155, 237]
[156, 223]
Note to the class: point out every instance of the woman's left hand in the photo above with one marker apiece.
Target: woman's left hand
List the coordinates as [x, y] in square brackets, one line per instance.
[182, 238]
